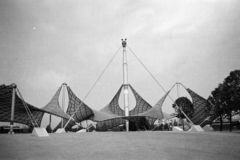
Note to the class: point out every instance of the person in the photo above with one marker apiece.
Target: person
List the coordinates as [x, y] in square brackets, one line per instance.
[165, 126]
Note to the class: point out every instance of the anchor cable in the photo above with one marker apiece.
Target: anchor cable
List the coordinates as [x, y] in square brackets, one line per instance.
[158, 82]
[92, 87]
[28, 110]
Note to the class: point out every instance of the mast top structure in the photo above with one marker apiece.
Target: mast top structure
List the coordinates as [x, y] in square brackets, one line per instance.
[124, 43]
[13, 85]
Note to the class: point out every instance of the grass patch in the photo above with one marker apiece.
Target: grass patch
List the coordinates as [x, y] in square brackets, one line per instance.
[122, 145]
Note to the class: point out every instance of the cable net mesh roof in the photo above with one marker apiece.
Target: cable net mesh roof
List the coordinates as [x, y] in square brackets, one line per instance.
[199, 105]
[156, 111]
[114, 108]
[109, 117]
[83, 112]
[112, 115]
[54, 108]
[142, 114]
[20, 113]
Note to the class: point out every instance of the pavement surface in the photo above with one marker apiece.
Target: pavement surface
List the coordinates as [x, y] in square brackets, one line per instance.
[122, 145]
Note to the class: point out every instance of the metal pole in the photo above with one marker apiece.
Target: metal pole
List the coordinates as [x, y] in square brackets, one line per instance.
[14, 86]
[87, 125]
[50, 120]
[177, 90]
[63, 99]
[125, 83]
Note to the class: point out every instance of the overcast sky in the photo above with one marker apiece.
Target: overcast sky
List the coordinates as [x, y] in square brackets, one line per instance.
[44, 43]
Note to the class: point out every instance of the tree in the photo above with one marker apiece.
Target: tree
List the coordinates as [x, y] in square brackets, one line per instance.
[184, 104]
[232, 94]
[217, 106]
[226, 97]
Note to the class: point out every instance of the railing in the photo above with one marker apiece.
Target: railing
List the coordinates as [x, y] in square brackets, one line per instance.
[226, 126]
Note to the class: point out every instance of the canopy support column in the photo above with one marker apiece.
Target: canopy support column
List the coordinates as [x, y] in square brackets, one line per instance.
[50, 120]
[125, 83]
[63, 100]
[14, 86]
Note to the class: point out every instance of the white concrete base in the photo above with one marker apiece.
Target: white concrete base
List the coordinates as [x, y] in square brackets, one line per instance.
[40, 132]
[81, 131]
[177, 129]
[61, 130]
[208, 128]
[196, 128]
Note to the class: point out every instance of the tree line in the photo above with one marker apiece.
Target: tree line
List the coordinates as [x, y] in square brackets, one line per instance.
[224, 101]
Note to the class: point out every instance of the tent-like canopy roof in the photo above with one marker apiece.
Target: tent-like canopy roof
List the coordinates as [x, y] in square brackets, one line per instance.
[20, 113]
[112, 115]
[108, 117]
[199, 104]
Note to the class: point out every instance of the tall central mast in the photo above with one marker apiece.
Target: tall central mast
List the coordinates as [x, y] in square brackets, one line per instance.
[125, 83]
